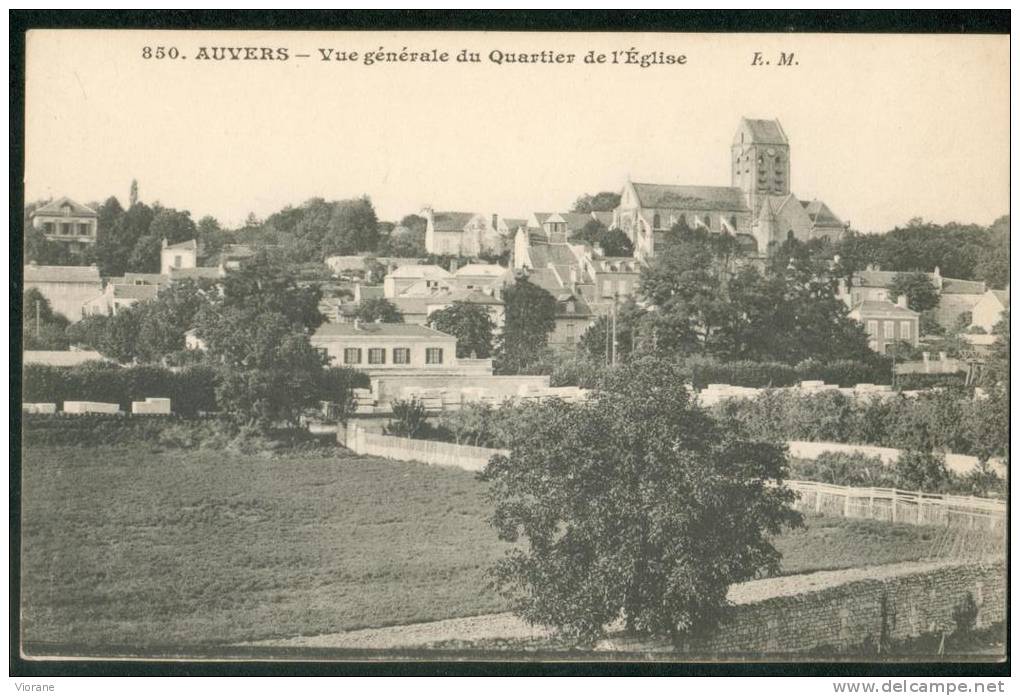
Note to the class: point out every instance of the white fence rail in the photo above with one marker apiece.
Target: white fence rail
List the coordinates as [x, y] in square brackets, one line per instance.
[893, 505]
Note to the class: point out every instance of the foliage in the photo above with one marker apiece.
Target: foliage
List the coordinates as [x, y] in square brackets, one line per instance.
[603, 201]
[472, 325]
[41, 327]
[627, 506]
[920, 292]
[379, 309]
[921, 471]
[530, 314]
[410, 418]
[612, 242]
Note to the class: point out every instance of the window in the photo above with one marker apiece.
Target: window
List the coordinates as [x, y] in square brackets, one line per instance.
[66, 211]
[401, 356]
[733, 221]
[83, 229]
[352, 356]
[905, 330]
[48, 227]
[789, 235]
[682, 220]
[607, 288]
[433, 356]
[656, 221]
[323, 353]
[177, 261]
[65, 228]
[873, 328]
[376, 356]
[889, 329]
[622, 287]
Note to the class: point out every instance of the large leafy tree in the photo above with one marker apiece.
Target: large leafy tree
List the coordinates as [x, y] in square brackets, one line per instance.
[165, 319]
[612, 242]
[378, 309]
[530, 315]
[604, 201]
[635, 504]
[917, 287]
[471, 324]
[42, 328]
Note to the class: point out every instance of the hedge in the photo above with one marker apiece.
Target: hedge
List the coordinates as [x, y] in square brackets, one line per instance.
[921, 380]
[191, 390]
[745, 373]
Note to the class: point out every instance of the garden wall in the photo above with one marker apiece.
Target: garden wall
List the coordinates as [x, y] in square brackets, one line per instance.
[842, 610]
[405, 449]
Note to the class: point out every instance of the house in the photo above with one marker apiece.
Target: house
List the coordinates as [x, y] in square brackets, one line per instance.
[400, 279]
[573, 313]
[462, 234]
[486, 277]
[68, 223]
[886, 322]
[178, 256]
[757, 206]
[987, 311]
[67, 288]
[559, 227]
[956, 297]
[614, 279]
[378, 348]
[117, 296]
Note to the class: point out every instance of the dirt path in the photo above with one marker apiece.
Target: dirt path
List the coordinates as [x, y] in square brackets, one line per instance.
[506, 626]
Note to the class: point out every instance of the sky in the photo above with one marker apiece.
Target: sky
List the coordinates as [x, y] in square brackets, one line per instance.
[882, 128]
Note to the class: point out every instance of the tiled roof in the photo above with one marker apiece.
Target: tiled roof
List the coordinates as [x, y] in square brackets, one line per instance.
[61, 274]
[542, 217]
[143, 278]
[481, 269]
[605, 217]
[190, 245]
[820, 214]
[472, 296]
[952, 286]
[875, 279]
[690, 197]
[420, 271]
[1003, 296]
[450, 221]
[379, 329]
[195, 273]
[56, 208]
[576, 221]
[371, 292]
[765, 131]
[412, 305]
[546, 279]
[872, 308]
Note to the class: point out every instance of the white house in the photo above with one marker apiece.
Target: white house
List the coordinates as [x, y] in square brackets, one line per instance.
[178, 256]
[988, 310]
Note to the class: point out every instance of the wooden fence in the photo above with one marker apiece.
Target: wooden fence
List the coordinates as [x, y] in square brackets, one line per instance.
[893, 505]
[404, 449]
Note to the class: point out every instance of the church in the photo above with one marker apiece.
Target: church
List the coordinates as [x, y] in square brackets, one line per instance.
[757, 207]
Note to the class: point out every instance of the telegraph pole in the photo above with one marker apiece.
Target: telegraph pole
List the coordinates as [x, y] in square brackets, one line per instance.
[37, 319]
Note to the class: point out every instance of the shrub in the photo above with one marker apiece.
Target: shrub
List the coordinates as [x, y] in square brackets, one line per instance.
[920, 381]
[410, 418]
[922, 471]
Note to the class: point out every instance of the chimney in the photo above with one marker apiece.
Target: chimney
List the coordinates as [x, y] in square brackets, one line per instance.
[901, 301]
[164, 242]
[495, 221]
[453, 265]
[936, 277]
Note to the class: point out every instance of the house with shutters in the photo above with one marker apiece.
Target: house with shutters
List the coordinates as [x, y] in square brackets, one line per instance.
[378, 348]
[757, 207]
[887, 322]
[67, 222]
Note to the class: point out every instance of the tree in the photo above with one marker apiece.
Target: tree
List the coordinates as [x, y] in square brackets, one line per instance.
[635, 503]
[612, 242]
[42, 328]
[378, 309]
[920, 292]
[133, 195]
[600, 202]
[352, 227]
[471, 324]
[993, 261]
[166, 318]
[530, 314]
[211, 237]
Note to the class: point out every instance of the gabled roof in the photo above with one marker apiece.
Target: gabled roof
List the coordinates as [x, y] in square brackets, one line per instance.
[875, 279]
[130, 291]
[56, 208]
[471, 296]
[576, 221]
[872, 308]
[514, 223]
[953, 286]
[482, 269]
[380, 329]
[190, 245]
[668, 196]
[1002, 296]
[142, 278]
[406, 304]
[61, 274]
[420, 271]
[202, 272]
[820, 214]
[451, 221]
[423, 288]
[762, 131]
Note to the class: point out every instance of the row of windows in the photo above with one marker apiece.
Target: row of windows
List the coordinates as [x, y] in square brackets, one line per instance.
[889, 329]
[706, 219]
[400, 356]
[68, 229]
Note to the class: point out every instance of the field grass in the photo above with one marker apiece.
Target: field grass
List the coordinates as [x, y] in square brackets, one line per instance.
[128, 546]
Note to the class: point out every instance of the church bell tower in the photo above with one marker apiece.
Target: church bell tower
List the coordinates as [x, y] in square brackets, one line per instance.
[760, 160]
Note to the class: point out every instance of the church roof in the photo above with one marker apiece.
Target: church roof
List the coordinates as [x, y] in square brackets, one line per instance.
[764, 131]
[820, 214]
[669, 196]
[56, 208]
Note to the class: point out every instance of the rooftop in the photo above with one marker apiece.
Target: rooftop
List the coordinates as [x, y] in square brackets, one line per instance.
[668, 196]
[131, 291]
[56, 208]
[380, 329]
[481, 269]
[420, 271]
[763, 131]
[450, 221]
[878, 307]
[189, 245]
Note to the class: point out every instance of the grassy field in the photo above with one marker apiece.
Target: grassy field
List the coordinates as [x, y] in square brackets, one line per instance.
[133, 547]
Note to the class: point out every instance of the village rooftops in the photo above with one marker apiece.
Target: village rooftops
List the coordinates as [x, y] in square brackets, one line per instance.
[667, 196]
[61, 274]
[56, 209]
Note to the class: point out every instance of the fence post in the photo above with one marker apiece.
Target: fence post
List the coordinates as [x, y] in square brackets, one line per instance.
[846, 503]
[894, 505]
[871, 503]
[818, 500]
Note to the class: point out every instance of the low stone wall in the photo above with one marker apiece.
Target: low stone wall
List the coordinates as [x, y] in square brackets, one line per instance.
[90, 407]
[957, 463]
[842, 610]
[405, 449]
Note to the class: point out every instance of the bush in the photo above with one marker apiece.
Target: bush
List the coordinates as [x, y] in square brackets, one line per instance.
[920, 381]
[410, 419]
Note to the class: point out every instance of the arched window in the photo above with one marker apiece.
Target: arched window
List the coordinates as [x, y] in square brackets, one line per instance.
[656, 221]
[789, 236]
[733, 221]
[708, 220]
